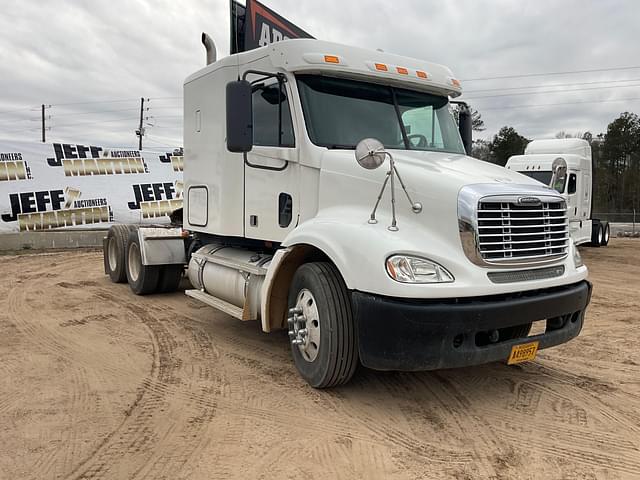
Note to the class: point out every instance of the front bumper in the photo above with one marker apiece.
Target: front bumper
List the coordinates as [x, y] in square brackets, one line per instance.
[410, 335]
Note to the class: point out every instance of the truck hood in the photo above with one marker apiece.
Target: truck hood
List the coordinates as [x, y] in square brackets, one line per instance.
[349, 192]
[420, 169]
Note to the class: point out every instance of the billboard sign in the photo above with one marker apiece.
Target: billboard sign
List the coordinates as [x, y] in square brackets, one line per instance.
[255, 25]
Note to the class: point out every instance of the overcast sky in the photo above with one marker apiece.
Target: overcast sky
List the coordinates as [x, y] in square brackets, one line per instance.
[73, 54]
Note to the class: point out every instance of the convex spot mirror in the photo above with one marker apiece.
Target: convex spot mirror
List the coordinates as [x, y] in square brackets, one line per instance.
[239, 117]
[370, 153]
[272, 94]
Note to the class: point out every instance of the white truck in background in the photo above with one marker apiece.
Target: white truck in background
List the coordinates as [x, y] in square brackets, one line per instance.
[435, 260]
[576, 186]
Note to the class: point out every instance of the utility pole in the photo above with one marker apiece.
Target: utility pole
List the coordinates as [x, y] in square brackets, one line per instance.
[44, 139]
[140, 131]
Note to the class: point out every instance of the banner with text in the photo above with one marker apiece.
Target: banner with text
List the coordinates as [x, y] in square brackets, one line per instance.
[45, 186]
[256, 26]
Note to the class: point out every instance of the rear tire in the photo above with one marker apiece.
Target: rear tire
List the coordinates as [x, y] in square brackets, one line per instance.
[606, 234]
[115, 252]
[319, 290]
[170, 276]
[596, 234]
[143, 279]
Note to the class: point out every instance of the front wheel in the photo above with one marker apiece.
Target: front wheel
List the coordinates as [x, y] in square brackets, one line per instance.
[321, 327]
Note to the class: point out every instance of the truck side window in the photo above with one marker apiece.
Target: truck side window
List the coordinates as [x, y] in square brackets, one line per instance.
[267, 102]
[571, 186]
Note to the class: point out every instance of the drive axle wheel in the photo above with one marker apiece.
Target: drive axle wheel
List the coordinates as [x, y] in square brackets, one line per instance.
[605, 235]
[321, 327]
[143, 279]
[596, 235]
[114, 253]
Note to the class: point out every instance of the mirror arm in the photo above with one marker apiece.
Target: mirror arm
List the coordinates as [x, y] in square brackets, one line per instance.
[264, 75]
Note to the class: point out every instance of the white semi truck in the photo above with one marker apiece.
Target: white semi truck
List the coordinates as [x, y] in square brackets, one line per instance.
[575, 186]
[411, 256]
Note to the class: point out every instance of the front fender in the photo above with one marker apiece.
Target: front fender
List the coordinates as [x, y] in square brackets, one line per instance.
[359, 250]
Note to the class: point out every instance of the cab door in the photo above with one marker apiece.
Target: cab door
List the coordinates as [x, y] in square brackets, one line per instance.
[271, 169]
[573, 202]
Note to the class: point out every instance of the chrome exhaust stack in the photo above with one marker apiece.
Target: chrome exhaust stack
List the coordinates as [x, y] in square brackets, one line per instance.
[210, 47]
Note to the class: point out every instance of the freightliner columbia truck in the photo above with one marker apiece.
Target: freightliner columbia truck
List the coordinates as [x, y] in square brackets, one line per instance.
[410, 256]
[575, 185]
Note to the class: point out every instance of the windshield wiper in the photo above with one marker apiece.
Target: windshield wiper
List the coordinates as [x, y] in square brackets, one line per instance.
[337, 146]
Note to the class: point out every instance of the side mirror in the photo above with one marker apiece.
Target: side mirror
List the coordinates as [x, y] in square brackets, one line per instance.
[465, 128]
[239, 117]
[559, 174]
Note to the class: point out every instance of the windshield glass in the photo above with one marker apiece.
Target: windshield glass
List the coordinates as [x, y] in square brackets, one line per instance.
[339, 113]
[544, 176]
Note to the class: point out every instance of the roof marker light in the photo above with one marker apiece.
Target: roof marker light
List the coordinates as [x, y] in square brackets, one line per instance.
[402, 71]
[422, 74]
[331, 59]
[455, 82]
[381, 67]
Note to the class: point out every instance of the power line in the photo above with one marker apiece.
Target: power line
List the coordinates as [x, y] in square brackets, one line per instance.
[550, 85]
[96, 111]
[16, 110]
[551, 91]
[93, 123]
[570, 72]
[152, 139]
[508, 107]
[95, 101]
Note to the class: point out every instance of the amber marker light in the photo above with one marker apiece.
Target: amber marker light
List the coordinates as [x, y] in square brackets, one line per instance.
[382, 67]
[331, 59]
[422, 74]
[402, 71]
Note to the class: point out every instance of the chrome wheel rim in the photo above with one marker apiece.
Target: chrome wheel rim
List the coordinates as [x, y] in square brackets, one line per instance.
[112, 254]
[305, 331]
[134, 262]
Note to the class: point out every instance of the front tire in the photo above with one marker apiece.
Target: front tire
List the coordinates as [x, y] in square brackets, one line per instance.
[324, 342]
[143, 279]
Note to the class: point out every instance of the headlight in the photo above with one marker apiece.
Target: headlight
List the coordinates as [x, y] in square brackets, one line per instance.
[407, 269]
[577, 259]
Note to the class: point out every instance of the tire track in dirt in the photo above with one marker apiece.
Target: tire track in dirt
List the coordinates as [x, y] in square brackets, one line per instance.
[160, 449]
[135, 433]
[22, 316]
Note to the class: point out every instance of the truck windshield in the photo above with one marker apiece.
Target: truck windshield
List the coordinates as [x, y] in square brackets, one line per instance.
[543, 176]
[339, 113]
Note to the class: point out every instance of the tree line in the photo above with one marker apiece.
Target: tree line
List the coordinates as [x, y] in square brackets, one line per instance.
[616, 159]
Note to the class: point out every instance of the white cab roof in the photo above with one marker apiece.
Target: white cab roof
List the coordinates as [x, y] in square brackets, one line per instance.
[575, 146]
[543, 162]
[316, 56]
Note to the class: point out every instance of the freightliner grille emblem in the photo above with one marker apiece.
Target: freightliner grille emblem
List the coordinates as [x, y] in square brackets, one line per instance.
[529, 201]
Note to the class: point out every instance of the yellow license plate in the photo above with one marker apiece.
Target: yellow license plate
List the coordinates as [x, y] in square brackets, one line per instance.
[523, 352]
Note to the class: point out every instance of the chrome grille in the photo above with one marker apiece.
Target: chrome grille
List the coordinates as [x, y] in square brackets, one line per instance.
[509, 232]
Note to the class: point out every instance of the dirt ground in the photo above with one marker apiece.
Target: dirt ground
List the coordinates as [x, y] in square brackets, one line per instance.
[97, 383]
